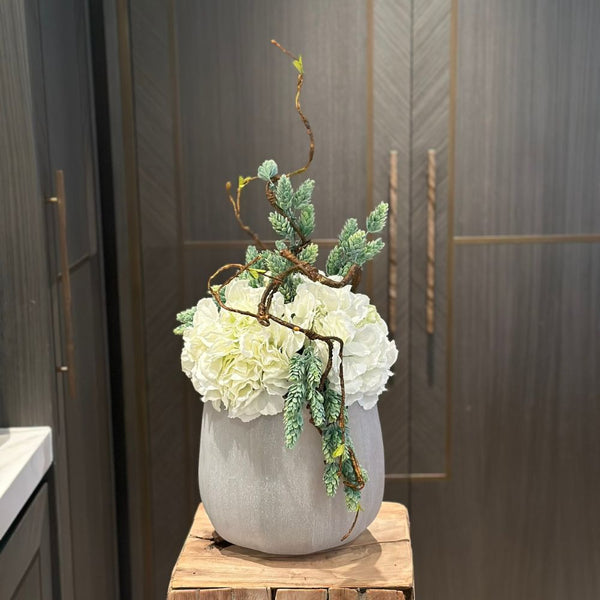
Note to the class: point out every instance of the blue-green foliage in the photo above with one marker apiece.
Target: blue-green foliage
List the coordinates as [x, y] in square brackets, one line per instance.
[186, 318]
[376, 220]
[353, 246]
[254, 274]
[305, 374]
[352, 498]
[331, 478]
[284, 193]
[309, 254]
[331, 442]
[267, 170]
[333, 404]
[297, 211]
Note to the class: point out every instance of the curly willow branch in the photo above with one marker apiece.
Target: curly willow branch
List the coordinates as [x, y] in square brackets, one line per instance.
[263, 314]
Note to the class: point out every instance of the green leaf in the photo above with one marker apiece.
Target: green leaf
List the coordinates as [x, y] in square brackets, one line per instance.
[281, 226]
[350, 227]
[338, 451]
[256, 272]
[276, 263]
[378, 217]
[373, 248]
[292, 412]
[333, 405]
[334, 261]
[352, 499]
[284, 193]
[331, 478]
[309, 254]
[303, 194]
[251, 253]
[307, 220]
[267, 170]
[243, 181]
[331, 439]
[299, 66]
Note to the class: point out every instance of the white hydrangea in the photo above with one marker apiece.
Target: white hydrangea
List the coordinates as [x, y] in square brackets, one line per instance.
[233, 361]
[368, 353]
[236, 363]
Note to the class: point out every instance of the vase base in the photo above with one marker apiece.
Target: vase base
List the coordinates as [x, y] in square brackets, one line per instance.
[265, 497]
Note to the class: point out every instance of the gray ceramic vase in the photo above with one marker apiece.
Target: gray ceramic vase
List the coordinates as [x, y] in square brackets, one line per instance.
[260, 495]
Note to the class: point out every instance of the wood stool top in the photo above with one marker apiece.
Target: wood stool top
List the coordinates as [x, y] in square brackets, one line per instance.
[381, 557]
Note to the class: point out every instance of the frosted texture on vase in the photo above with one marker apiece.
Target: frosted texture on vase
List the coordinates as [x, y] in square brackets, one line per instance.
[261, 495]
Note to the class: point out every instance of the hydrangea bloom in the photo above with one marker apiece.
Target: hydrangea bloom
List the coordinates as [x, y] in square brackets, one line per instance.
[233, 361]
[368, 353]
[236, 363]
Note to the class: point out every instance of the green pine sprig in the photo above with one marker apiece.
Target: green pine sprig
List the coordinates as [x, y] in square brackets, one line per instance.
[353, 245]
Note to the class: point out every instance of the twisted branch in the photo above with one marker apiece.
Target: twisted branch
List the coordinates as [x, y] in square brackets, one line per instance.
[263, 314]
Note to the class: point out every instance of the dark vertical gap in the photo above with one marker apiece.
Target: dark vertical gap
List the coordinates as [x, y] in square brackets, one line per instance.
[109, 246]
[410, 231]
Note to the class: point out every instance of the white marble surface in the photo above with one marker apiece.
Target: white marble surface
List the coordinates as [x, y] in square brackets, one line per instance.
[25, 456]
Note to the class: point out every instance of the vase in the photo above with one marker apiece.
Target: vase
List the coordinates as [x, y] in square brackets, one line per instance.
[261, 495]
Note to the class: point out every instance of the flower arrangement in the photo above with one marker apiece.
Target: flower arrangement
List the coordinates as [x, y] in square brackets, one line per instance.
[281, 336]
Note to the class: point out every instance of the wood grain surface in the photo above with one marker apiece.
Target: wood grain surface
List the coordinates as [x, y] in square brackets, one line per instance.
[380, 557]
[528, 114]
[522, 502]
[47, 124]
[430, 130]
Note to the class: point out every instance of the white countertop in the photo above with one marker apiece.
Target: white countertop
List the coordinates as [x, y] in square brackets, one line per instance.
[25, 456]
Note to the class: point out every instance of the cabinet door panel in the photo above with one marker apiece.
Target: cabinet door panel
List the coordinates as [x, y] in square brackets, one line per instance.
[520, 509]
[430, 130]
[528, 117]
[25, 561]
[82, 426]
[87, 430]
[236, 107]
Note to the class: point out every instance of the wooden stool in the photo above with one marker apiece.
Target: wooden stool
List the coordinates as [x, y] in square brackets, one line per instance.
[376, 566]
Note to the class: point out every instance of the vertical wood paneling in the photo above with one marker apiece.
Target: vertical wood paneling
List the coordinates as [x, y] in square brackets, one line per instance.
[390, 122]
[520, 509]
[168, 459]
[135, 507]
[45, 82]
[25, 307]
[89, 456]
[430, 129]
[237, 107]
[83, 423]
[528, 86]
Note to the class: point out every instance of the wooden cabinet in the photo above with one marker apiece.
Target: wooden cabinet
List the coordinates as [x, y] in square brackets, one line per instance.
[25, 554]
[523, 394]
[47, 125]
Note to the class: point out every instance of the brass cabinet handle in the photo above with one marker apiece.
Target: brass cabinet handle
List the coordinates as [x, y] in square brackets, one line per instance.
[393, 243]
[430, 295]
[59, 201]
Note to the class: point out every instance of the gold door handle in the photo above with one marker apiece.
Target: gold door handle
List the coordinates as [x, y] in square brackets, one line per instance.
[430, 294]
[393, 243]
[65, 287]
